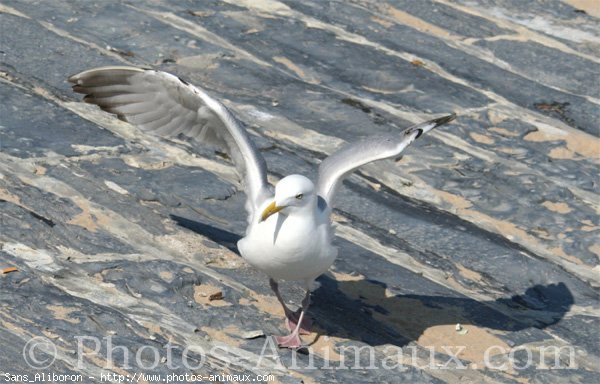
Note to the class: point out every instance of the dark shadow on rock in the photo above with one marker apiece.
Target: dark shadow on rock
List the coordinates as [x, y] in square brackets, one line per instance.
[555, 298]
[365, 310]
[218, 235]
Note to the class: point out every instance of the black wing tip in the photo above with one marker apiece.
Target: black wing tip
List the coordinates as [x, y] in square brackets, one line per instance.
[444, 120]
[431, 124]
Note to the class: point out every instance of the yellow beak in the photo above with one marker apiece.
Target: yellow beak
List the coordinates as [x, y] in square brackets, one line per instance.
[270, 210]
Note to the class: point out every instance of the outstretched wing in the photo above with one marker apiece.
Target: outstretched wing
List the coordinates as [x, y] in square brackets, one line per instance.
[342, 162]
[164, 105]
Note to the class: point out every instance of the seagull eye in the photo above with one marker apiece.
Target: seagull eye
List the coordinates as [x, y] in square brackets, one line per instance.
[299, 196]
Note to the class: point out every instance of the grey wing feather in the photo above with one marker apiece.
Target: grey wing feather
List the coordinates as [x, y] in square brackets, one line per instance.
[342, 162]
[164, 105]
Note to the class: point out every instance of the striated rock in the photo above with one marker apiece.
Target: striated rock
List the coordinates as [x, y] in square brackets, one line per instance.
[110, 238]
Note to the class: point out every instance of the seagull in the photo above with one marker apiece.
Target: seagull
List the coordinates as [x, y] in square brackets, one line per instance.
[289, 234]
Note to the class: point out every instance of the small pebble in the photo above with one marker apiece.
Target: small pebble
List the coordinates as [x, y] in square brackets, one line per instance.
[253, 334]
[216, 296]
[461, 331]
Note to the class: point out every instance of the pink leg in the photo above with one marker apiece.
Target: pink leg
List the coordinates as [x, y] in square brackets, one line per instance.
[293, 320]
[298, 323]
[293, 339]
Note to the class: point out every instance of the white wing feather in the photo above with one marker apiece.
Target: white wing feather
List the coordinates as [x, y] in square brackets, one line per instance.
[342, 162]
[162, 104]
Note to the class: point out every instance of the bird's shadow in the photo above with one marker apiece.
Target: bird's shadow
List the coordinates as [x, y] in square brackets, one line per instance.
[221, 236]
[364, 310]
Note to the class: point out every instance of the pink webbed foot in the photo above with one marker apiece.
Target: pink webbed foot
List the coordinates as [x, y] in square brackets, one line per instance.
[292, 320]
[291, 341]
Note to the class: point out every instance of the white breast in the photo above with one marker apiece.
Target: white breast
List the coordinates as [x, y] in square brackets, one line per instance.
[289, 247]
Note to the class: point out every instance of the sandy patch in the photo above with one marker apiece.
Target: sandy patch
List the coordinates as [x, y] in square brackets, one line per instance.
[230, 335]
[62, 313]
[591, 7]
[296, 69]
[39, 170]
[469, 273]
[152, 327]
[225, 259]
[339, 276]
[207, 294]
[472, 342]
[557, 207]
[561, 252]
[146, 162]
[512, 151]
[191, 245]
[482, 139]
[264, 303]
[87, 219]
[383, 22]
[496, 117]
[455, 201]
[416, 23]
[561, 153]
[5, 195]
[503, 131]
[323, 345]
[589, 228]
[576, 143]
[166, 276]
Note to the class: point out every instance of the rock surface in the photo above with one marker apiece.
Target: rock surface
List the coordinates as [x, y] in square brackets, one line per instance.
[121, 239]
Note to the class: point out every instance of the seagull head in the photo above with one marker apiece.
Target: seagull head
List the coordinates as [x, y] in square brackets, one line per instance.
[292, 193]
